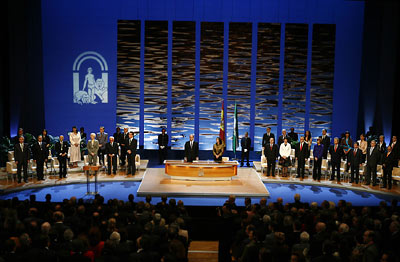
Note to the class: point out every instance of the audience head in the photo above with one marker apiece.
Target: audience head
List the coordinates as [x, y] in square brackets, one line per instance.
[45, 228]
[68, 235]
[297, 197]
[368, 236]
[304, 237]
[320, 227]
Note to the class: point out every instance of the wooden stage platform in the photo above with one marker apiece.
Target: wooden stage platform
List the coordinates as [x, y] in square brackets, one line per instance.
[247, 183]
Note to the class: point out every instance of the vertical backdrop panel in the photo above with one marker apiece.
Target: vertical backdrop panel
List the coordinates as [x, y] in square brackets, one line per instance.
[155, 81]
[295, 74]
[239, 78]
[128, 74]
[211, 76]
[322, 71]
[267, 80]
[183, 82]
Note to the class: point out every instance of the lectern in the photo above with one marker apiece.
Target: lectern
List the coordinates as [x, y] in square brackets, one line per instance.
[91, 170]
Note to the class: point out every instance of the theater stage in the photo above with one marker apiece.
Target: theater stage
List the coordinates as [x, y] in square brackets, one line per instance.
[246, 184]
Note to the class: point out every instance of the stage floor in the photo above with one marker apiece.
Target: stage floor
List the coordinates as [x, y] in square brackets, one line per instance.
[246, 184]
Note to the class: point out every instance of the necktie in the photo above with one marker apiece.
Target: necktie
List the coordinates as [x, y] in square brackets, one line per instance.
[111, 144]
[335, 148]
[370, 152]
[301, 146]
[22, 147]
[355, 151]
[271, 147]
[191, 143]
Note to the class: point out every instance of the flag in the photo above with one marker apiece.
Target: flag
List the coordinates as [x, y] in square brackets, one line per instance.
[235, 138]
[222, 126]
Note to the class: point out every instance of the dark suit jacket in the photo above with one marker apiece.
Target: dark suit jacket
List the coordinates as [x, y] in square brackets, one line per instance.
[112, 149]
[163, 140]
[336, 156]
[326, 142]
[374, 158]
[382, 149]
[396, 151]
[20, 155]
[118, 137]
[266, 138]
[132, 146]
[245, 143]
[191, 152]
[271, 155]
[354, 160]
[281, 140]
[40, 153]
[124, 137]
[293, 136]
[302, 154]
[63, 149]
[389, 161]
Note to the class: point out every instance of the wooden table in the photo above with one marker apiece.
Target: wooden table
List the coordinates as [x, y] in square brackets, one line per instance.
[201, 170]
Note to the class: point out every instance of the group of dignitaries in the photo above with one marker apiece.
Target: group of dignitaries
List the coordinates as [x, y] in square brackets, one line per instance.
[98, 146]
[354, 154]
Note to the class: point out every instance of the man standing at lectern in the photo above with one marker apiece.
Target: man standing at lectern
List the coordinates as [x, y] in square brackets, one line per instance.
[131, 146]
[162, 146]
[191, 149]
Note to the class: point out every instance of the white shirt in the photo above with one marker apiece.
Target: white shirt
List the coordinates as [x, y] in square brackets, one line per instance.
[22, 147]
[285, 150]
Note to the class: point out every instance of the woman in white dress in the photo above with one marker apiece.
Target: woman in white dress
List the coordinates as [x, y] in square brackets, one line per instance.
[284, 150]
[75, 149]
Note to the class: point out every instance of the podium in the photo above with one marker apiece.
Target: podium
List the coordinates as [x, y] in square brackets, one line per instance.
[91, 170]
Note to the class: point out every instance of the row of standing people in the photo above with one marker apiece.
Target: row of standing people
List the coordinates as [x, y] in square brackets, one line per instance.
[355, 155]
[98, 146]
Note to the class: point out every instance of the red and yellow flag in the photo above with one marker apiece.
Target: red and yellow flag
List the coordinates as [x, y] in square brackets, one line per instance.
[222, 125]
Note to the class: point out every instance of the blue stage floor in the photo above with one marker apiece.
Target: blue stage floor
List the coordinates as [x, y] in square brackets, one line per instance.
[121, 190]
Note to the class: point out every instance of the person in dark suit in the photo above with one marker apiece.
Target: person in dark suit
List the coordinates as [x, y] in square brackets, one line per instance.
[20, 133]
[46, 138]
[318, 153]
[395, 149]
[112, 153]
[293, 136]
[122, 143]
[102, 137]
[21, 156]
[373, 157]
[302, 153]
[162, 146]
[131, 146]
[354, 161]
[271, 152]
[282, 138]
[40, 155]
[62, 154]
[267, 137]
[381, 147]
[191, 149]
[336, 152]
[388, 162]
[326, 141]
[245, 143]
[117, 135]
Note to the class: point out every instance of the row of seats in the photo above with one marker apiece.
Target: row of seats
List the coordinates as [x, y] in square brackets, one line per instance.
[325, 167]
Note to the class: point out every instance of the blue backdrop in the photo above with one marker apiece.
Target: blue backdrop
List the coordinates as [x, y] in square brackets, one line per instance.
[72, 28]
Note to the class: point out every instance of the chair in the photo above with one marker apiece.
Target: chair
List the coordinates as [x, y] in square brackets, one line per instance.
[396, 174]
[11, 168]
[308, 166]
[10, 155]
[325, 167]
[362, 172]
[264, 163]
[379, 173]
[137, 161]
[343, 170]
